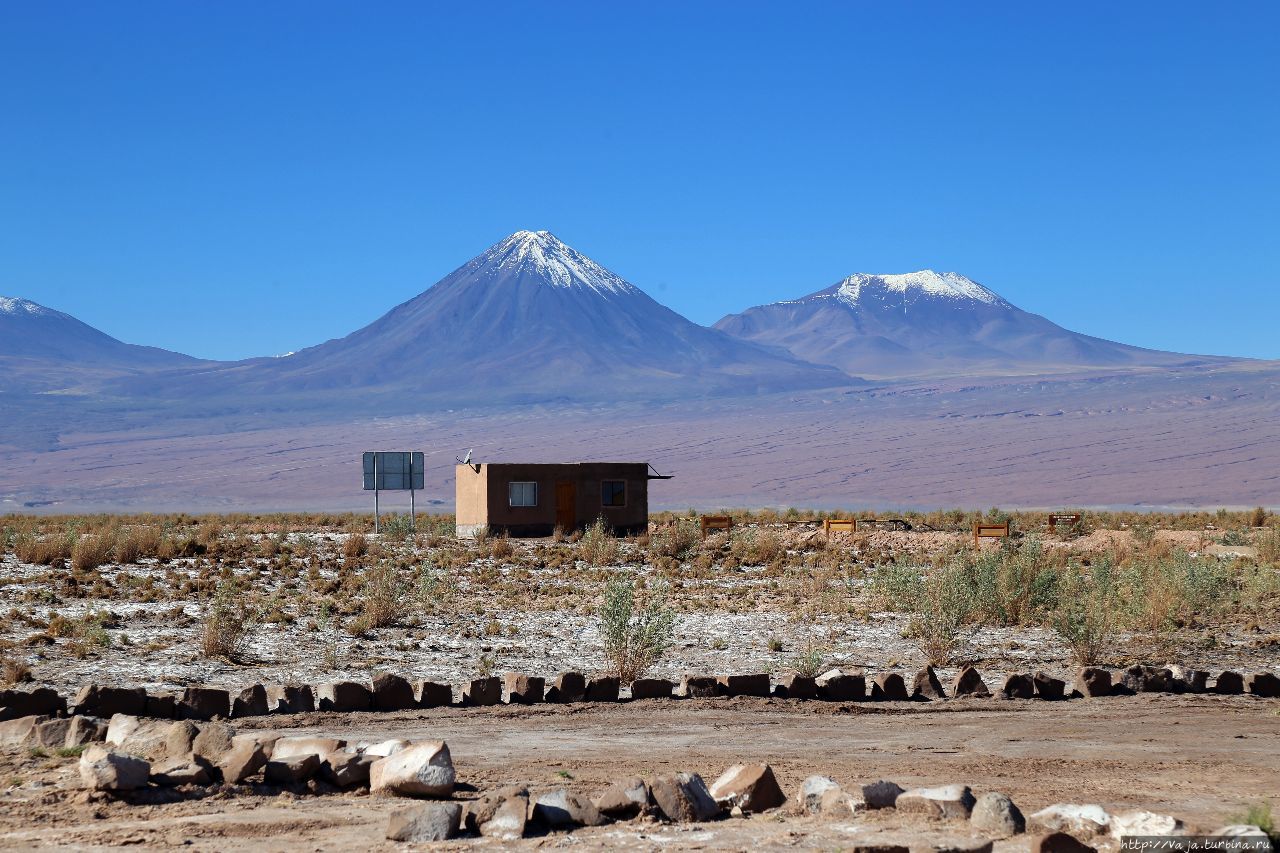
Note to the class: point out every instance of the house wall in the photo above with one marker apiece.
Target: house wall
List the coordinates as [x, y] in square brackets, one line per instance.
[540, 520]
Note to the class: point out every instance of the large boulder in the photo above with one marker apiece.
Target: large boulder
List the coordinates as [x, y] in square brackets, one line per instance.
[51, 734]
[1264, 684]
[245, 758]
[83, 730]
[521, 689]
[387, 747]
[293, 770]
[683, 798]
[651, 688]
[1080, 821]
[204, 703]
[568, 687]
[182, 771]
[151, 738]
[344, 696]
[392, 693]
[19, 731]
[213, 741]
[950, 802]
[604, 688]
[969, 683]
[889, 687]
[290, 699]
[756, 684]
[624, 799]
[98, 700]
[1049, 688]
[425, 823]
[836, 685]
[1094, 682]
[287, 747]
[881, 794]
[996, 814]
[482, 691]
[103, 769]
[1143, 823]
[346, 769]
[1018, 686]
[560, 809]
[1229, 683]
[750, 787]
[796, 686]
[499, 814]
[162, 706]
[927, 686]
[1058, 842]
[423, 770]
[18, 703]
[822, 796]
[250, 702]
[432, 694]
[1146, 679]
[697, 687]
[1186, 680]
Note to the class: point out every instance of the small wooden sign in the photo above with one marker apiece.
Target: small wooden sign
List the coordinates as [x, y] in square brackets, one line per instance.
[839, 525]
[1069, 521]
[989, 531]
[715, 522]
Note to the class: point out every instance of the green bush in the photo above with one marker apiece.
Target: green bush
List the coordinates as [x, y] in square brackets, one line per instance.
[1086, 613]
[636, 632]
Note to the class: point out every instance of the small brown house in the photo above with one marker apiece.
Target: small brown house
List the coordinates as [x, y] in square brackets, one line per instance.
[534, 499]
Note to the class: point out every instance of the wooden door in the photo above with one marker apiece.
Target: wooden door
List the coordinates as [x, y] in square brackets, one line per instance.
[566, 505]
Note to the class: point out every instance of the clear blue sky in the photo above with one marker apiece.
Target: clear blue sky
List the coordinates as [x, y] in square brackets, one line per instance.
[232, 179]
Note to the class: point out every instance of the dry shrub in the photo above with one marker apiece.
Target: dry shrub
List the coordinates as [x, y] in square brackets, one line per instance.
[384, 598]
[677, 542]
[599, 547]
[226, 623]
[136, 542]
[13, 672]
[355, 547]
[1258, 518]
[91, 551]
[499, 548]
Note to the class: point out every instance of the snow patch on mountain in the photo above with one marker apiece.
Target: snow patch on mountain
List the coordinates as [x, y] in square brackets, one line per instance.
[542, 255]
[14, 305]
[947, 285]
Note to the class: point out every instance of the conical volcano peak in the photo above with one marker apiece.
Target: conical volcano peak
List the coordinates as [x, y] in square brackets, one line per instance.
[542, 256]
[18, 305]
[927, 283]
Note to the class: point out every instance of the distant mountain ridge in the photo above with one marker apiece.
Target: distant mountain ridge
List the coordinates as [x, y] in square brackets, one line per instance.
[928, 323]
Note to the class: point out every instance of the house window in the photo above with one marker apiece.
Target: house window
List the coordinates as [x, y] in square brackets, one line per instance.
[613, 493]
[523, 494]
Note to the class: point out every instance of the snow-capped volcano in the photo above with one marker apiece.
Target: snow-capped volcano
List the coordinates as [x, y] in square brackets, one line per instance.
[927, 323]
[530, 319]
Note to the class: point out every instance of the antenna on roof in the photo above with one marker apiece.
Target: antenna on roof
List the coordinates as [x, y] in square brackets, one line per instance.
[467, 460]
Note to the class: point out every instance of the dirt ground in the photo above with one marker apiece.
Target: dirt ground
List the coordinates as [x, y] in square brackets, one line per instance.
[1202, 759]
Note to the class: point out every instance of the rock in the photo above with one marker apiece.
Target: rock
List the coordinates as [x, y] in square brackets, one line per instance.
[604, 688]
[95, 700]
[683, 798]
[83, 730]
[1059, 842]
[287, 747]
[392, 693]
[344, 696]
[104, 770]
[162, 707]
[951, 802]
[756, 684]
[386, 747]
[292, 770]
[290, 699]
[423, 823]
[1229, 683]
[812, 790]
[521, 689]
[822, 796]
[1018, 686]
[204, 703]
[1189, 680]
[1146, 679]
[1049, 688]
[18, 732]
[422, 770]
[1139, 822]
[179, 740]
[346, 769]
[1081, 821]
[51, 734]
[482, 809]
[213, 741]
[1246, 831]
[624, 799]
[969, 683]
[651, 688]
[996, 814]
[245, 758]
[568, 687]
[750, 787]
[1262, 684]
[28, 703]
[1094, 682]
[697, 687]
[177, 772]
[508, 820]
[881, 794]
[561, 808]
[482, 691]
[250, 702]
[836, 685]
[432, 694]
[793, 686]
[889, 687]
[927, 686]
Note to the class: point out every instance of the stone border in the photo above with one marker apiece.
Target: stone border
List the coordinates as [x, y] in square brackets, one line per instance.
[389, 692]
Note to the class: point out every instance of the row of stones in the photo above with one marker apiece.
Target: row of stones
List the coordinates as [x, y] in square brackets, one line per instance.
[390, 692]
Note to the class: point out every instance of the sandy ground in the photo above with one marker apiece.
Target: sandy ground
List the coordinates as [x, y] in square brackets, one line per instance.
[1199, 758]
